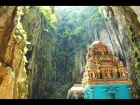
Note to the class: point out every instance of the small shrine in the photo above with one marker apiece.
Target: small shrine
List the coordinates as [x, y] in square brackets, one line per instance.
[104, 77]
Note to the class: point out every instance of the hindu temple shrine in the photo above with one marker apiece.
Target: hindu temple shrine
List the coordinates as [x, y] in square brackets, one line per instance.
[104, 76]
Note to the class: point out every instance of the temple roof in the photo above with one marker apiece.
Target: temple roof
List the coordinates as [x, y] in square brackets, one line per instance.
[96, 42]
[77, 87]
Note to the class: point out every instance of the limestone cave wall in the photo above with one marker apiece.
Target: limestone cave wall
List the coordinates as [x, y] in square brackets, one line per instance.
[13, 78]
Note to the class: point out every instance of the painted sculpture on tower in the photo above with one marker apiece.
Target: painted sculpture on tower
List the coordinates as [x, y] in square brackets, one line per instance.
[104, 76]
[106, 66]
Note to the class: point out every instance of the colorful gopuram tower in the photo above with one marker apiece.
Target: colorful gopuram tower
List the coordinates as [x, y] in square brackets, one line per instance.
[104, 77]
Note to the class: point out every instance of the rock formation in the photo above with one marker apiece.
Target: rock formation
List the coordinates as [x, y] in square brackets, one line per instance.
[13, 76]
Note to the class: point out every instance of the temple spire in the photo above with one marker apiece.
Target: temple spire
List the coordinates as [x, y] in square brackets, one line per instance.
[103, 73]
[103, 65]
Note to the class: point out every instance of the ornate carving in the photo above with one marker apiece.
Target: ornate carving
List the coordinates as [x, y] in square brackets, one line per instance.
[98, 72]
[115, 73]
[102, 66]
[104, 74]
[108, 74]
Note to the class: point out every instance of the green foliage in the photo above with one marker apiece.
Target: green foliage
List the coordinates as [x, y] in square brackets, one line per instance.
[63, 54]
[137, 65]
[26, 9]
[138, 59]
[74, 32]
[78, 30]
[46, 30]
[130, 28]
[124, 17]
[134, 52]
[133, 38]
[138, 73]
[78, 47]
[136, 44]
[96, 19]
[50, 18]
[101, 11]
[56, 60]
[66, 33]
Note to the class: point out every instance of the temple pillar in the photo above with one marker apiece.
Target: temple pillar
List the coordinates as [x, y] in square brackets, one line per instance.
[76, 96]
[89, 95]
[105, 93]
[129, 89]
[92, 94]
[85, 96]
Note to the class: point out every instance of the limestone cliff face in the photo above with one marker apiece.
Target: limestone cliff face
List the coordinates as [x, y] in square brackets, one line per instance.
[40, 66]
[32, 24]
[124, 32]
[136, 10]
[80, 63]
[13, 82]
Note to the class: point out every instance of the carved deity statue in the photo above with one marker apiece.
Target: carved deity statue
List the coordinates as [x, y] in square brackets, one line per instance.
[119, 73]
[96, 61]
[93, 74]
[115, 73]
[87, 78]
[123, 74]
[98, 73]
[102, 52]
[104, 74]
[89, 53]
[111, 73]
[91, 59]
[108, 74]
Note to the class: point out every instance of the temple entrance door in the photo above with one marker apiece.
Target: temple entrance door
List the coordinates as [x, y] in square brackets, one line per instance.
[112, 95]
